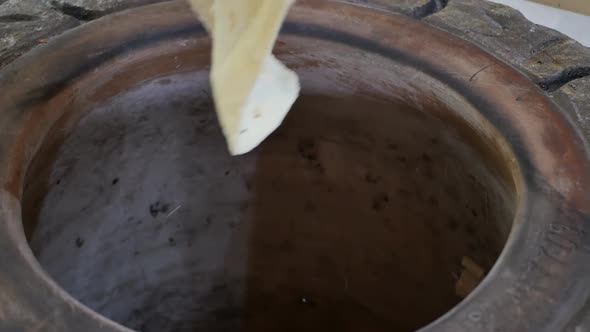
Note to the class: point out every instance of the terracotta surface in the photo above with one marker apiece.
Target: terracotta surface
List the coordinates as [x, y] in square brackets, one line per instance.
[133, 206]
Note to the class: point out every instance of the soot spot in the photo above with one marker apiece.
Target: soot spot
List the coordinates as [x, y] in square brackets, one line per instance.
[433, 200]
[220, 287]
[79, 242]
[379, 201]
[157, 208]
[309, 205]
[404, 192]
[453, 224]
[435, 231]
[248, 184]
[392, 146]
[426, 158]
[307, 149]
[244, 206]
[165, 81]
[373, 179]
[470, 229]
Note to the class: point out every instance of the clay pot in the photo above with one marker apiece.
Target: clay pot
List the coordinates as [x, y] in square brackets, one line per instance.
[408, 152]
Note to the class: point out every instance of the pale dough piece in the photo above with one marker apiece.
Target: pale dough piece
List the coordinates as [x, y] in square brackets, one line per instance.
[253, 91]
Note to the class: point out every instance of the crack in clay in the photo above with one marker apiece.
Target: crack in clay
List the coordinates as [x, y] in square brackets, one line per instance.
[77, 12]
[430, 8]
[12, 18]
[554, 83]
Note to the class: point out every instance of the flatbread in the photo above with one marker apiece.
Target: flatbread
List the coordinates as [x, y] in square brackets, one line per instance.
[252, 90]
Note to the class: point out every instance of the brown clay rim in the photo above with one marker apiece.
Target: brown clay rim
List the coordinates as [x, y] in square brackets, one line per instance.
[538, 271]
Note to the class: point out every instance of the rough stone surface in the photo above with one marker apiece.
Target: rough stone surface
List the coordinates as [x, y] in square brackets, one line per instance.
[27, 23]
[98, 6]
[559, 65]
[546, 55]
[414, 8]
[410, 7]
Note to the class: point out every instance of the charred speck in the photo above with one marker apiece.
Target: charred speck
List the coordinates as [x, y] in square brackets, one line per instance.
[426, 158]
[79, 242]
[307, 149]
[470, 229]
[453, 224]
[379, 201]
[373, 179]
[157, 208]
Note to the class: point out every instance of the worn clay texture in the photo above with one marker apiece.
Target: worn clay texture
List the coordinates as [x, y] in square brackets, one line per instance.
[574, 98]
